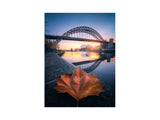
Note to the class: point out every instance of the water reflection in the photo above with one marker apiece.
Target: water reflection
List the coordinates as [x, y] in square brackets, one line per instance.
[80, 56]
[88, 61]
[101, 64]
[85, 54]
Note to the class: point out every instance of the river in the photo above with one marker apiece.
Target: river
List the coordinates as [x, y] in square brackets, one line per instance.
[102, 64]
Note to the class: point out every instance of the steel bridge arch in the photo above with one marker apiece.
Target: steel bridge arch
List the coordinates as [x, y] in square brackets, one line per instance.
[96, 63]
[84, 29]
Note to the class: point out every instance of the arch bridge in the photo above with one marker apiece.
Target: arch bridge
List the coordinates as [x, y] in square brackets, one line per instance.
[71, 35]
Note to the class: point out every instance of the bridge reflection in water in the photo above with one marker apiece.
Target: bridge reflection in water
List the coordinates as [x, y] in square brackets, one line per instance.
[88, 61]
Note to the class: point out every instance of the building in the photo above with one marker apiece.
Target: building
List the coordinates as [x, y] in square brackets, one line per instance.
[110, 44]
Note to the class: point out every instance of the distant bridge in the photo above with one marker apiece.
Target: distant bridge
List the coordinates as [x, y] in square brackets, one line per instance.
[76, 31]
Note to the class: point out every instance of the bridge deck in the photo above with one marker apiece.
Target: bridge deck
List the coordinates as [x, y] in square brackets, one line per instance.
[71, 38]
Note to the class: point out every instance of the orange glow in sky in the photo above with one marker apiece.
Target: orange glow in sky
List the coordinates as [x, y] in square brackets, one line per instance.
[67, 45]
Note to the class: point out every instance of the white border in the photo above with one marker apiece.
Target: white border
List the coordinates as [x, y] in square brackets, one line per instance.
[22, 59]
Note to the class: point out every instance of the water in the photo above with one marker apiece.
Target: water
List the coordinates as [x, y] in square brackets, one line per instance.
[102, 64]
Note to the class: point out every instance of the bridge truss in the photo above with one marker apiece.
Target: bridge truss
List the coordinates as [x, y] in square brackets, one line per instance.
[84, 29]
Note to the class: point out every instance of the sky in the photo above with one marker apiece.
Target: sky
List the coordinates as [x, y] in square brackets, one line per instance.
[59, 23]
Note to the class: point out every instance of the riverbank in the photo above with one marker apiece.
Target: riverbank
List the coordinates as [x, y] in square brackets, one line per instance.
[55, 66]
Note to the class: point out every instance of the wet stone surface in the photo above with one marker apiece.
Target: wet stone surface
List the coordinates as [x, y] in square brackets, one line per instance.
[55, 99]
[55, 66]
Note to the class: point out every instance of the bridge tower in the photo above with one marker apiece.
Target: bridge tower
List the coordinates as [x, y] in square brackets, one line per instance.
[110, 43]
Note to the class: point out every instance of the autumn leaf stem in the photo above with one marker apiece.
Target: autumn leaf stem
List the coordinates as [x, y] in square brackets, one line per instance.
[77, 103]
